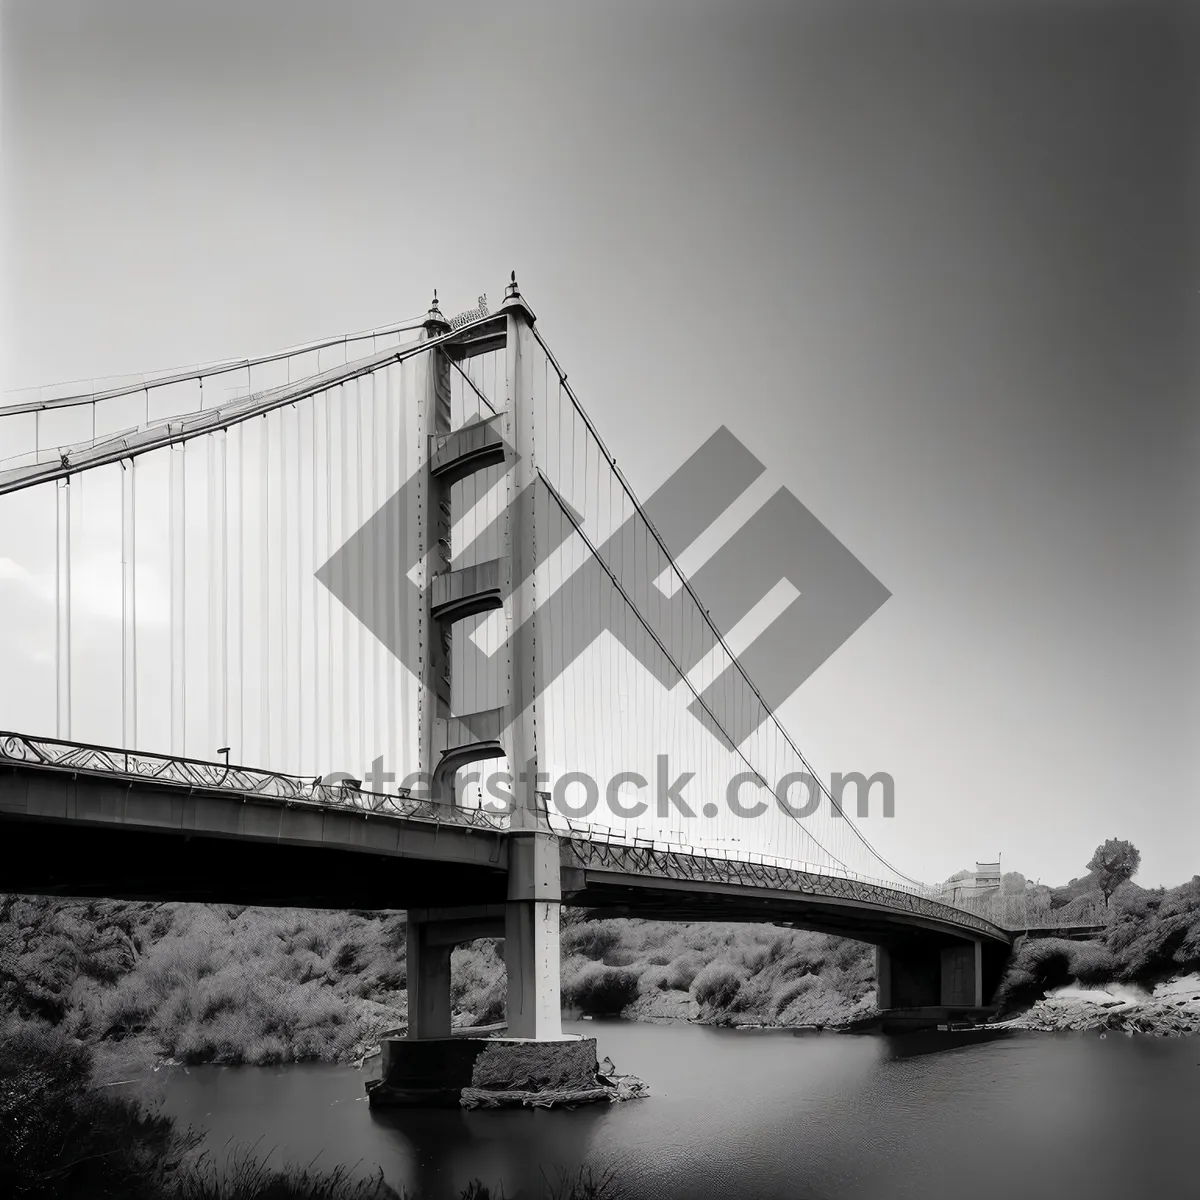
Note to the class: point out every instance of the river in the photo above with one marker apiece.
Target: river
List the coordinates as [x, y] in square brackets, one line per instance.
[764, 1115]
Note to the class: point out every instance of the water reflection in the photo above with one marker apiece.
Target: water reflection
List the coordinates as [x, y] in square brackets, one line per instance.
[909, 1045]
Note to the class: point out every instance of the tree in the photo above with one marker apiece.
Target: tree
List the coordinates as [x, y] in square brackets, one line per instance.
[1115, 863]
[1012, 884]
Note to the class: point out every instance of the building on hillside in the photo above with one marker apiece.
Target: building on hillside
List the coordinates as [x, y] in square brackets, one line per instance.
[987, 875]
[974, 885]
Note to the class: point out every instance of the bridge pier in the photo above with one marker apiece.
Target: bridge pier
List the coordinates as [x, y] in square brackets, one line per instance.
[531, 945]
[432, 935]
[528, 922]
[432, 1066]
[927, 981]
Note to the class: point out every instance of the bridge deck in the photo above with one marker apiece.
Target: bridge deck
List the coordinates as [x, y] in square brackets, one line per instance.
[96, 821]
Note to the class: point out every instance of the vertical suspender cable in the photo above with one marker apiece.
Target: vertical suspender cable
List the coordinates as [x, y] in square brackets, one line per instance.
[381, 552]
[241, 593]
[183, 597]
[177, 549]
[264, 559]
[397, 744]
[325, 605]
[343, 666]
[218, 590]
[316, 586]
[303, 571]
[129, 604]
[284, 624]
[62, 609]
[359, 631]
[172, 502]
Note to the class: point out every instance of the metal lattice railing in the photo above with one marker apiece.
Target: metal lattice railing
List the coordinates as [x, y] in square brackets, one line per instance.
[590, 846]
[202, 775]
[676, 863]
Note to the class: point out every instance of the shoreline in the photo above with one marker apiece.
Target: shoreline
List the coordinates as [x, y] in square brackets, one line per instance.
[1170, 1010]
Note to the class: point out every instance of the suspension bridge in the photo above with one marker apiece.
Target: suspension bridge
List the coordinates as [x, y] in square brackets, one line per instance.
[377, 622]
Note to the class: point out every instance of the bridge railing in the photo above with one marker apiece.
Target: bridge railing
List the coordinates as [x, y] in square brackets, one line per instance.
[1018, 913]
[668, 861]
[608, 835]
[340, 794]
[204, 775]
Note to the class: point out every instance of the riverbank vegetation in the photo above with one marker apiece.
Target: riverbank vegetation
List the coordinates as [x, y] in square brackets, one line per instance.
[63, 1137]
[140, 983]
[93, 991]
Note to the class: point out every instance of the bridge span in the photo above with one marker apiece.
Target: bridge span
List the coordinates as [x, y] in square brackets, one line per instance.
[81, 820]
[426, 553]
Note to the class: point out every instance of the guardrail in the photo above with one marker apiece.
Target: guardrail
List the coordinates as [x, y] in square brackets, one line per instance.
[200, 774]
[702, 867]
[1015, 913]
[594, 844]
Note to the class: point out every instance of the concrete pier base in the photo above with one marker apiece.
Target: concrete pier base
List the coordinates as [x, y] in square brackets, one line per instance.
[433, 1072]
[924, 1018]
[924, 983]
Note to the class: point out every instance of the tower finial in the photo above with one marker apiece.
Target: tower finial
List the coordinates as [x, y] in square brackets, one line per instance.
[433, 318]
[514, 300]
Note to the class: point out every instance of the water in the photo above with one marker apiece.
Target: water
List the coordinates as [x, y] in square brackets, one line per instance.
[765, 1115]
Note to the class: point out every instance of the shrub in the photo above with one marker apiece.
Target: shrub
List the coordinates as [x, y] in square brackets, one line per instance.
[592, 939]
[653, 979]
[601, 990]
[1092, 963]
[58, 1137]
[683, 970]
[792, 990]
[1037, 967]
[718, 984]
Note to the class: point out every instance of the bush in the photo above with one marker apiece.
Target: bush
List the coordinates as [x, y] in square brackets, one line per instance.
[683, 970]
[478, 983]
[1037, 967]
[592, 939]
[600, 990]
[787, 993]
[1092, 963]
[60, 1138]
[718, 984]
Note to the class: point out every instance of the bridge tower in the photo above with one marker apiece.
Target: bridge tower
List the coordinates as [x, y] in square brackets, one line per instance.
[449, 740]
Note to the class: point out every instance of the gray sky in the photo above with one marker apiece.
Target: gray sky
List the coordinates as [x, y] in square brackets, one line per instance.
[933, 264]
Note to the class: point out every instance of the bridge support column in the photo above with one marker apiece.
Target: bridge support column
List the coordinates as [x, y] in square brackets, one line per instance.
[433, 540]
[428, 963]
[531, 946]
[883, 978]
[978, 981]
[432, 935]
[534, 887]
[936, 980]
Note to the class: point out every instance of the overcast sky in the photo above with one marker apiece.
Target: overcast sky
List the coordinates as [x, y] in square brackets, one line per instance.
[933, 264]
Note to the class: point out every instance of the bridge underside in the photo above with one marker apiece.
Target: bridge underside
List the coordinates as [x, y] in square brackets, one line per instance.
[673, 900]
[74, 834]
[73, 859]
[71, 833]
